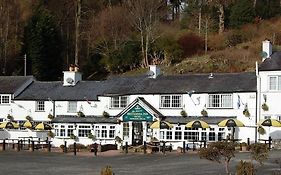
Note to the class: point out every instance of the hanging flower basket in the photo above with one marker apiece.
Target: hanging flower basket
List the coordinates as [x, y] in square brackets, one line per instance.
[261, 130]
[51, 117]
[204, 113]
[74, 137]
[105, 114]
[183, 113]
[28, 118]
[80, 114]
[51, 134]
[264, 107]
[9, 117]
[246, 113]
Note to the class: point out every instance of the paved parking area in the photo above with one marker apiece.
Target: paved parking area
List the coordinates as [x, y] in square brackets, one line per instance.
[31, 163]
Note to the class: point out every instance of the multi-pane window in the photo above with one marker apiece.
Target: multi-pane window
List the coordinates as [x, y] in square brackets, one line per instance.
[70, 129]
[220, 101]
[40, 106]
[221, 134]
[178, 133]
[203, 134]
[126, 129]
[72, 106]
[119, 102]
[169, 135]
[212, 134]
[84, 130]
[62, 131]
[267, 117]
[171, 101]
[103, 132]
[192, 134]
[4, 99]
[111, 131]
[97, 131]
[275, 83]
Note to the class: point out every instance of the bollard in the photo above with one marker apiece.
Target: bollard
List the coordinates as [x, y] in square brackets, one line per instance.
[183, 146]
[144, 147]
[28, 143]
[21, 144]
[269, 142]
[126, 147]
[49, 146]
[74, 148]
[32, 143]
[65, 147]
[248, 144]
[205, 143]
[193, 149]
[164, 147]
[18, 145]
[4, 144]
[13, 144]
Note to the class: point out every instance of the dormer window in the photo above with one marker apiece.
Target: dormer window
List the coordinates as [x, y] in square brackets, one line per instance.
[274, 83]
[119, 102]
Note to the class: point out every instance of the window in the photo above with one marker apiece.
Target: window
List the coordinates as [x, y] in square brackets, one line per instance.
[126, 129]
[178, 133]
[70, 130]
[169, 135]
[267, 117]
[212, 134]
[119, 102]
[203, 134]
[103, 132]
[274, 83]
[5, 99]
[192, 134]
[221, 134]
[40, 106]
[72, 107]
[84, 130]
[171, 101]
[220, 101]
[97, 131]
[278, 118]
[112, 132]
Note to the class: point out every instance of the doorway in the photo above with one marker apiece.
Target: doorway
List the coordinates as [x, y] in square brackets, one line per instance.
[137, 133]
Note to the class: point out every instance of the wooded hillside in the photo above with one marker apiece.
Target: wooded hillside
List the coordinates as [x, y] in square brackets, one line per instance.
[117, 36]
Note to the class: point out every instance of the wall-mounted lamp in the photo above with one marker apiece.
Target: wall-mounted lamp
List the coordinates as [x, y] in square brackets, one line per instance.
[264, 97]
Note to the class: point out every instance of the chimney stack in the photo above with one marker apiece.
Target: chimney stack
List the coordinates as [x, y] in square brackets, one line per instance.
[72, 77]
[154, 71]
[266, 49]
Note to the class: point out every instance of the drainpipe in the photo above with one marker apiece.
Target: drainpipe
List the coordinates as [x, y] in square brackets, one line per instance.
[258, 94]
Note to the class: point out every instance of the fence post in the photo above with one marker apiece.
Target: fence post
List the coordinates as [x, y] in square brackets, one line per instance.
[74, 147]
[269, 142]
[21, 144]
[65, 147]
[28, 143]
[4, 144]
[144, 147]
[49, 146]
[18, 145]
[32, 143]
[126, 147]
[164, 147]
[183, 146]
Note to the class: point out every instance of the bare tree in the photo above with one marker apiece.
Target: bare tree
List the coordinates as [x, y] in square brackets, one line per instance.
[77, 30]
[144, 16]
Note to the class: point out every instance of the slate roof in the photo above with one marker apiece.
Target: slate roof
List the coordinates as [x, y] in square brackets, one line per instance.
[83, 90]
[271, 64]
[86, 119]
[184, 120]
[179, 84]
[10, 84]
[122, 85]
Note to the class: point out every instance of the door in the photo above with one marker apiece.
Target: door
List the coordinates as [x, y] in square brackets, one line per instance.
[137, 133]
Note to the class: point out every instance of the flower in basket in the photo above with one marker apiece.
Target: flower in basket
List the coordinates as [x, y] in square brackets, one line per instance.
[246, 113]
[28, 118]
[105, 114]
[204, 113]
[183, 113]
[10, 117]
[74, 137]
[80, 114]
[264, 107]
[51, 117]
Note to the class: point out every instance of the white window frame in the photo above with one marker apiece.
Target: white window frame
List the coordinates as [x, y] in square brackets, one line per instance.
[220, 101]
[72, 106]
[40, 106]
[4, 100]
[277, 81]
[84, 130]
[171, 101]
[119, 101]
[105, 131]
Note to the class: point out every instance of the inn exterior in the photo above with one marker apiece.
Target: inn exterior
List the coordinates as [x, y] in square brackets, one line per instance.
[124, 107]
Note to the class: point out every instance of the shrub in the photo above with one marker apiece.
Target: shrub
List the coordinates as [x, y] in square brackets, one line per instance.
[107, 171]
[191, 44]
[233, 39]
[259, 152]
[105, 114]
[245, 168]
[51, 117]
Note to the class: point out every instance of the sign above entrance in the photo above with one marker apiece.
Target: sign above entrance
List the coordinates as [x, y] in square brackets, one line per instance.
[137, 113]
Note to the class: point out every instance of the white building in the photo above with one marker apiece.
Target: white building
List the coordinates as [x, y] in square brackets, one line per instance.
[126, 106]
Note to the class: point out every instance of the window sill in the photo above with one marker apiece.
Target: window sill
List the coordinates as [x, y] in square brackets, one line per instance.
[220, 108]
[40, 111]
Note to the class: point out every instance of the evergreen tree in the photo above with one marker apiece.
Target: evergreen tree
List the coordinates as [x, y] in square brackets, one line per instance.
[42, 45]
[267, 9]
[242, 12]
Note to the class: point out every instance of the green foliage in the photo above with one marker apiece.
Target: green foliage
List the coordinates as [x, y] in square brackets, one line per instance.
[261, 130]
[80, 114]
[28, 118]
[221, 152]
[74, 137]
[267, 9]
[51, 134]
[51, 117]
[245, 168]
[232, 39]
[43, 45]
[264, 107]
[204, 113]
[242, 12]
[259, 152]
[107, 171]
[183, 113]
[105, 114]
[91, 136]
[10, 117]
[246, 113]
